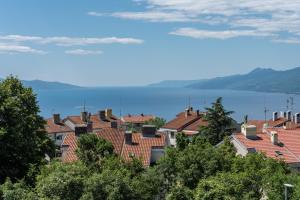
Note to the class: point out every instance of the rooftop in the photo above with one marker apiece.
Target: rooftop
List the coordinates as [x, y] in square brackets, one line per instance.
[141, 146]
[51, 127]
[137, 118]
[287, 149]
[184, 120]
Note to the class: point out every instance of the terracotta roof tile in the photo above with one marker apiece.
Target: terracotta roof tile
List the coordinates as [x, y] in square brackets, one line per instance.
[137, 118]
[51, 127]
[115, 136]
[260, 123]
[97, 122]
[70, 143]
[142, 147]
[290, 139]
[181, 121]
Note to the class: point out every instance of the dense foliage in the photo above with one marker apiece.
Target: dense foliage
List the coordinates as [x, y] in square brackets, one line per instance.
[157, 121]
[23, 141]
[195, 169]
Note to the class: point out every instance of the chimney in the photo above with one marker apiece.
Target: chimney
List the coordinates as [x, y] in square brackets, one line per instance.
[84, 116]
[191, 109]
[297, 118]
[148, 130]
[275, 116]
[249, 131]
[265, 126]
[142, 114]
[114, 124]
[108, 113]
[128, 137]
[56, 118]
[274, 137]
[187, 112]
[198, 113]
[102, 114]
[283, 114]
[89, 127]
[289, 115]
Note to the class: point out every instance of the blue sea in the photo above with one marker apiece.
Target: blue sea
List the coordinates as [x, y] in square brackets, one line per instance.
[162, 102]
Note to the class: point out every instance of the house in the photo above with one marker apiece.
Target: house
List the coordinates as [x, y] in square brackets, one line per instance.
[276, 141]
[136, 121]
[148, 146]
[57, 128]
[187, 122]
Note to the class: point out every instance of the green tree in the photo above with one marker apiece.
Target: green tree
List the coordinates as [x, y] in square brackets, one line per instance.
[235, 186]
[180, 193]
[19, 190]
[62, 181]
[93, 150]
[157, 121]
[182, 141]
[219, 123]
[23, 141]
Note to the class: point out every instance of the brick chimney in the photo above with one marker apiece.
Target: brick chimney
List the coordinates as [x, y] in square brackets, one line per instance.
[108, 113]
[56, 118]
[128, 137]
[102, 114]
[84, 116]
[274, 137]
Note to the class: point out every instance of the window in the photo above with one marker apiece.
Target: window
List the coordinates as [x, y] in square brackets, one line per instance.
[172, 135]
[59, 137]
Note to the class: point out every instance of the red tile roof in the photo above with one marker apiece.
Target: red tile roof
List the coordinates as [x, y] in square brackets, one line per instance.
[260, 123]
[137, 118]
[290, 139]
[51, 127]
[196, 125]
[115, 136]
[141, 147]
[70, 143]
[97, 122]
[182, 121]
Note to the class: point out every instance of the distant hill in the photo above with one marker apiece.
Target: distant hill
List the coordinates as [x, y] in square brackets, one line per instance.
[46, 85]
[174, 83]
[260, 79]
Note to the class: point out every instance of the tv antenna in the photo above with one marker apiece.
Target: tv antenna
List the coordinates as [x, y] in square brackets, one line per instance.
[83, 107]
[265, 110]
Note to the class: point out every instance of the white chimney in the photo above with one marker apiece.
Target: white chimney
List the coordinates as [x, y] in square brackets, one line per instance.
[297, 118]
[265, 126]
[274, 137]
[187, 112]
[249, 131]
[283, 114]
[289, 115]
[275, 116]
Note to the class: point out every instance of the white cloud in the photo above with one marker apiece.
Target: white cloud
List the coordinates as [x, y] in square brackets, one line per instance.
[11, 48]
[227, 34]
[83, 52]
[273, 17]
[288, 41]
[70, 41]
[153, 16]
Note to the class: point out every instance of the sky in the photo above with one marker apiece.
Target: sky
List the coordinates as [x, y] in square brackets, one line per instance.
[137, 42]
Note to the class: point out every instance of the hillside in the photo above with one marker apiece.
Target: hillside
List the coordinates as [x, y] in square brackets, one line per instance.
[264, 80]
[46, 85]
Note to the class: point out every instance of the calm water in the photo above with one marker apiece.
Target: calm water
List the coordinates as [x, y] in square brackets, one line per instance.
[164, 102]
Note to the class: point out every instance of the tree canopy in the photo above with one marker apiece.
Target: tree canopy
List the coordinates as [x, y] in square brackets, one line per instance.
[219, 123]
[23, 141]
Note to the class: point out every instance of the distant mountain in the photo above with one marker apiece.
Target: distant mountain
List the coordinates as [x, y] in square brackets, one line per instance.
[260, 79]
[174, 83]
[46, 85]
